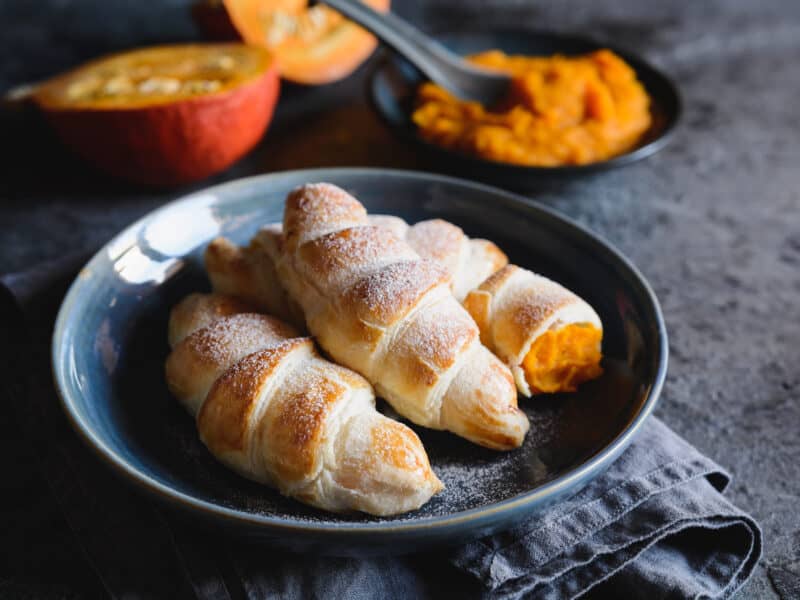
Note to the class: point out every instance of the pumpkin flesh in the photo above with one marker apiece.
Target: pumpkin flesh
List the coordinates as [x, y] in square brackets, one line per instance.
[313, 45]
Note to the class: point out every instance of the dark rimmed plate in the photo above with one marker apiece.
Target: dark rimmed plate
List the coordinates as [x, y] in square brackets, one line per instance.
[110, 344]
[393, 83]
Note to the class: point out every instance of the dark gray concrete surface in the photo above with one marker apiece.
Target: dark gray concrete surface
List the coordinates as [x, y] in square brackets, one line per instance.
[713, 221]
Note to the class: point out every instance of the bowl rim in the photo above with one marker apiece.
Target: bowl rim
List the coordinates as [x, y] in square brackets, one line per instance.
[483, 515]
[665, 136]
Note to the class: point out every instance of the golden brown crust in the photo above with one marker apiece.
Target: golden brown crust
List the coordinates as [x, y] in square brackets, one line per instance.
[478, 303]
[199, 310]
[229, 270]
[469, 261]
[471, 405]
[489, 252]
[376, 453]
[439, 241]
[352, 250]
[196, 362]
[432, 343]
[249, 273]
[228, 337]
[386, 296]
[313, 210]
[392, 445]
[295, 424]
[497, 279]
[224, 420]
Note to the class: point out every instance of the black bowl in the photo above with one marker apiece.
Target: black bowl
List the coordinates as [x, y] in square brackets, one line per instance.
[393, 83]
[110, 345]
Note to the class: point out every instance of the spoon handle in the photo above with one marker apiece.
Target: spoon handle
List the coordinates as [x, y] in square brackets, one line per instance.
[438, 63]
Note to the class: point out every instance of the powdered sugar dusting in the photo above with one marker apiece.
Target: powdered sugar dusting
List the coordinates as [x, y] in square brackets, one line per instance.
[197, 311]
[384, 296]
[439, 334]
[304, 412]
[437, 240]
[228, 336]
[394, 224]
[354, 248]
[537, 299]
[244, 369]
[318, 208]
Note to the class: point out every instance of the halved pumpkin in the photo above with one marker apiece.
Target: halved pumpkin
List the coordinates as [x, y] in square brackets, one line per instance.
[165, 115]
[313, 45]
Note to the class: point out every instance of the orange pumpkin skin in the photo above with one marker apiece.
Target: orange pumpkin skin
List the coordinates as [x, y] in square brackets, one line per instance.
[174, 142]
[331, 57]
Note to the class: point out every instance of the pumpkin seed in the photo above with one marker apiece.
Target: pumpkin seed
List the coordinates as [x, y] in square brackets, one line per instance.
[223, 62]
[278, 26]
[201, 86]
[83, 87]
[119, 84]
[159, 85]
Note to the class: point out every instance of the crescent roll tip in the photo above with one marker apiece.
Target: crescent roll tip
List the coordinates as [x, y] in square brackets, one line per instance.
[549, 337]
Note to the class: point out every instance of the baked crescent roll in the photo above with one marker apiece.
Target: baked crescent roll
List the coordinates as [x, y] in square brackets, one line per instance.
[378, 308]
[468, 260]
[199, 310]
[269, 407]
[395, 224]
[248, 273]
[548, 336]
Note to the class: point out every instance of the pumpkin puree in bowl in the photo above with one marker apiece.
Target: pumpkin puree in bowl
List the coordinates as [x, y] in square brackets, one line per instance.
[561, 111]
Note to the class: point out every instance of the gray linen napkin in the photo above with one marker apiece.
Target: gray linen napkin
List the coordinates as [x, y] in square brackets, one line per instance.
[655, 525]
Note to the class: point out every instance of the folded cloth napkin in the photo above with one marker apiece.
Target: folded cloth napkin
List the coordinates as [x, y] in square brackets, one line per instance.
[655, 525]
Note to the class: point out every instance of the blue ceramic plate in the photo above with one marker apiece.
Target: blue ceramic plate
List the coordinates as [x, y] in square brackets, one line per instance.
[393, 84]
[110, 345]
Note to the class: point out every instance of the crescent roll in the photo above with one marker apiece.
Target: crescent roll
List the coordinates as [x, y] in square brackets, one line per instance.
[248, 273]
[378, 308]
[199, 310]
[549, 337]
[269, 407]
[468, 260]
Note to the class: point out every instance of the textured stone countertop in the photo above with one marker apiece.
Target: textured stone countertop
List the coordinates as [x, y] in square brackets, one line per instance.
[713, 221]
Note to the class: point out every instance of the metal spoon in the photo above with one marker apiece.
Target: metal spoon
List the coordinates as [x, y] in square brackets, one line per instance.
[438, 63]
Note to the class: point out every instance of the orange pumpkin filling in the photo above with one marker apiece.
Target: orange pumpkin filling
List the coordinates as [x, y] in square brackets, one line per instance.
[559, 360]
[561, 110]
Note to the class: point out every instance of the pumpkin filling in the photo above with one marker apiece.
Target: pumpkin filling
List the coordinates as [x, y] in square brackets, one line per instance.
[561, 359]
[561, 110]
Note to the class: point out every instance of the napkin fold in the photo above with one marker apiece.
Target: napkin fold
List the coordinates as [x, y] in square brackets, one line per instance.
[655, 525]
